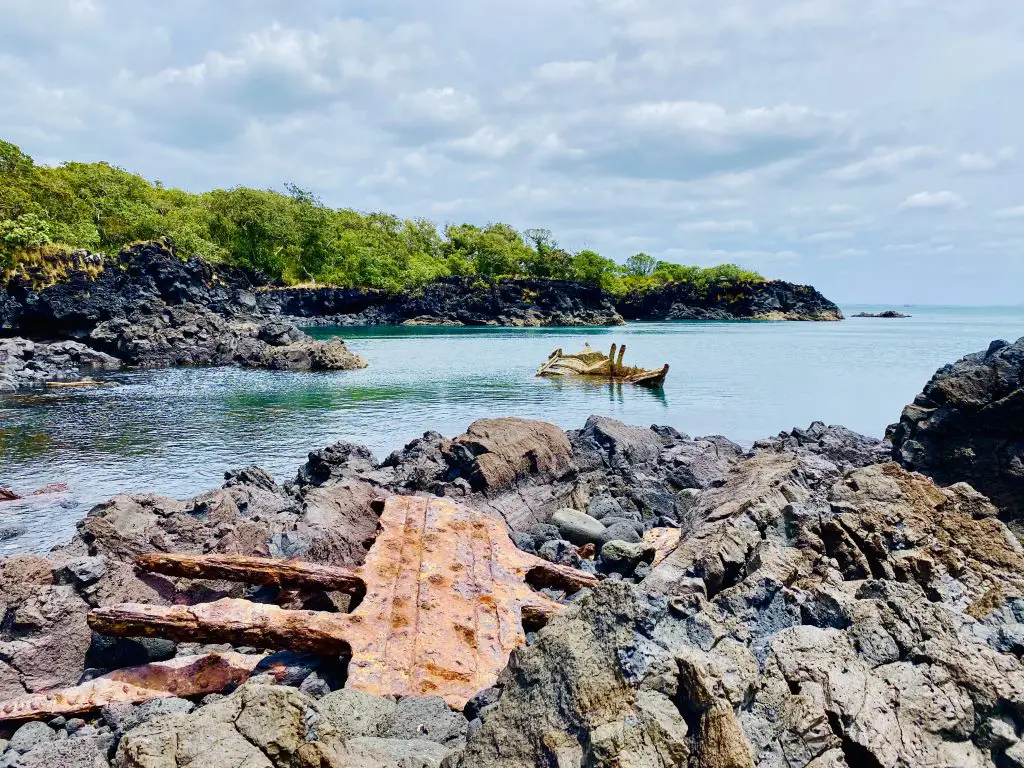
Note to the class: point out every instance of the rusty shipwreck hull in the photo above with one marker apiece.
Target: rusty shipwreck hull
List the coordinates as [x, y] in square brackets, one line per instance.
[440, 604]
[591, 364]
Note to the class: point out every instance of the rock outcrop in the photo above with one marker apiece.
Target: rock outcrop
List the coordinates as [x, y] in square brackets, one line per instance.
[889, 314]
[967, 425]
[149, 308]
[672, 660]
[263, 726]
[24, 363]
[92, 289]
[808, 619]
[451, 301]
[188, 334]
[769, 300]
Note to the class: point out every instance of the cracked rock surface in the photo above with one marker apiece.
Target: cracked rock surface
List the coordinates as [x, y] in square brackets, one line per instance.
[810, 618]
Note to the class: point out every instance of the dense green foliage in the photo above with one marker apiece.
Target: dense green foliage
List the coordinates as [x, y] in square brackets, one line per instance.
[292, 236]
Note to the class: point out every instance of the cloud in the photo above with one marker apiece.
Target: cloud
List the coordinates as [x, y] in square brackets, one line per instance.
[884, 164]
[637, 125]
[732, 226]
[933, 201]
[829, 236]
[1016, 212]
[978, 162]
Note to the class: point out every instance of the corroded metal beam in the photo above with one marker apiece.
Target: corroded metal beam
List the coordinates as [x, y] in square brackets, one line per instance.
[183, 676]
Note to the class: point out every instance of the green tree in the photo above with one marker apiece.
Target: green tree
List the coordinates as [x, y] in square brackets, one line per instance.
[640, 265]
[591, 268]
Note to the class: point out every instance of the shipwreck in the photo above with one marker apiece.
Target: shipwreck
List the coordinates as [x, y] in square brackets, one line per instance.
[589, 363]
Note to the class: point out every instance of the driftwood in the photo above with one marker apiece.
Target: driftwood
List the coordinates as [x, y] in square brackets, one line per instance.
[184, 676]
[446, 596]
[590, 363]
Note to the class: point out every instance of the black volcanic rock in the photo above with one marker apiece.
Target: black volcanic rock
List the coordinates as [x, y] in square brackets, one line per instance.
[968, 425]
[889, 314]
[771, 300]
[146, 273]
[451, 301]
[151, 308]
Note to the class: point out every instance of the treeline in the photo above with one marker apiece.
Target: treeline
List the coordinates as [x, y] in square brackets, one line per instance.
[292, 236]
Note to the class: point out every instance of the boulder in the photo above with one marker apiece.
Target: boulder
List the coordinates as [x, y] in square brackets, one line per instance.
[261, 726]
[968, 425]
[497, 454]
[424, 717]
[578, 527]
[355, 713]
[623, 557]
[31, 735]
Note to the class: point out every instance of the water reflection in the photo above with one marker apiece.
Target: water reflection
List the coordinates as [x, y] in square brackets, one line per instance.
[177, 431]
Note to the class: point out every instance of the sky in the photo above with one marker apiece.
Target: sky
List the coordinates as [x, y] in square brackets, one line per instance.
[871, 148]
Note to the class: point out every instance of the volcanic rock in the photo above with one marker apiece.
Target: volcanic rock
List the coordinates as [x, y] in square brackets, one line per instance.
[840, 620]
[968, 425]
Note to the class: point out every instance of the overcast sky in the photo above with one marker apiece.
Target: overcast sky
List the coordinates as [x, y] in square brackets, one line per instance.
[872, 148]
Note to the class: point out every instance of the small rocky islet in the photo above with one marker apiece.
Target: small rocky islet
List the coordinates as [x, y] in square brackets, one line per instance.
[834, 600]
[148, 307]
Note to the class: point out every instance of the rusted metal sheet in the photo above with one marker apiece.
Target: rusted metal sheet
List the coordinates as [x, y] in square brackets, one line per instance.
[446, 596]
[184, 676]
[664, 540]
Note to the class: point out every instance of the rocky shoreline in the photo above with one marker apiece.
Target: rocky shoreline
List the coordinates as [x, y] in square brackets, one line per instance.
[147, 307]
[825, 605]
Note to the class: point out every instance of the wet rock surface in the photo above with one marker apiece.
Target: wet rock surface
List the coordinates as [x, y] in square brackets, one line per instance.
[968, 425]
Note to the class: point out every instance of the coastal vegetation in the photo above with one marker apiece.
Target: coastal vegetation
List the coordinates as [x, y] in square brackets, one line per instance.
[293, 237]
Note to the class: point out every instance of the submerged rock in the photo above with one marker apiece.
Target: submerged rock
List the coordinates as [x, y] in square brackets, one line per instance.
[968, 425]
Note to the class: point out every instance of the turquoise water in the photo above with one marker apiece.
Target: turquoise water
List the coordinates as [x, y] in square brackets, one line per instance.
[177, 431]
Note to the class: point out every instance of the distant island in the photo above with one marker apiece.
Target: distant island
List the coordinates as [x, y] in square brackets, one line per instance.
[890, 314]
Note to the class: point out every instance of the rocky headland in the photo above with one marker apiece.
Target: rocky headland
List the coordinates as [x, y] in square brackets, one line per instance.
[968, 425]
[808, 602]
[770, 300]
[146, 308]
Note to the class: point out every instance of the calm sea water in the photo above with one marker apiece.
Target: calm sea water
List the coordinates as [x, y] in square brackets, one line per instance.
[176, 431]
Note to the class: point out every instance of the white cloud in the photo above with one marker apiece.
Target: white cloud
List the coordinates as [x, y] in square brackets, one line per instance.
[1016, 212]
[978, 162]
[884, 164]
[710, 226]
[487, 142]
[828, 236]
[569, 72]
[438, 104]
[933, 201]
